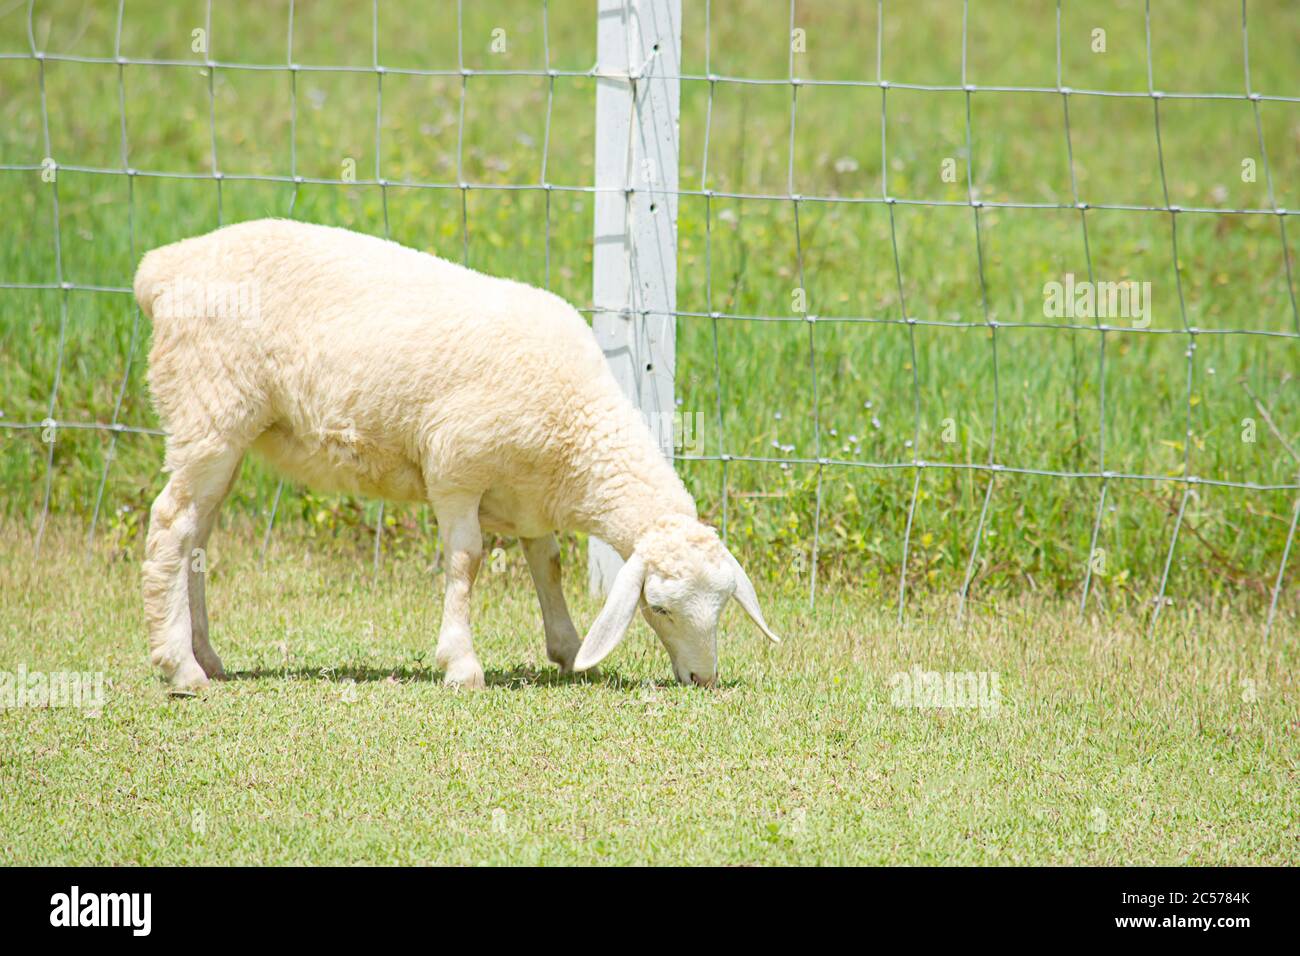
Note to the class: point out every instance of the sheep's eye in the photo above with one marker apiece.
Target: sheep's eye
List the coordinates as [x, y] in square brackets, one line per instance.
[655, 608]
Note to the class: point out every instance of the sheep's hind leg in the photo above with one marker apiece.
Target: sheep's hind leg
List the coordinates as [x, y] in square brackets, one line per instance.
[203, 651]
[462, 545]
[562, 641]
[183, 509]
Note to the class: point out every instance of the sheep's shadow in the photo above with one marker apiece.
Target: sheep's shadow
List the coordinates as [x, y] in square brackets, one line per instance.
[521, 677]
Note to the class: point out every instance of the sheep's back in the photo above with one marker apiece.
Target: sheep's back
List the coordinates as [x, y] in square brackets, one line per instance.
[323, 329]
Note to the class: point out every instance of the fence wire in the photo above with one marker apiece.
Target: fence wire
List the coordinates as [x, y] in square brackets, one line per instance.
[992, 467]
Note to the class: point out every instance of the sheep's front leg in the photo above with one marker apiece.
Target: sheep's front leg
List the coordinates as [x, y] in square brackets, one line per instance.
[562, 641]
[462, 544]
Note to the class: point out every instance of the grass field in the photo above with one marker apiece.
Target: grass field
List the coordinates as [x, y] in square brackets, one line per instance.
[737, 256]
[1113, 742]
[335, 742]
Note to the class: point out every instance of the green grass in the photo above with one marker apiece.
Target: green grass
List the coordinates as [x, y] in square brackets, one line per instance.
[1112, 746]
[739, 257]
[335, 743]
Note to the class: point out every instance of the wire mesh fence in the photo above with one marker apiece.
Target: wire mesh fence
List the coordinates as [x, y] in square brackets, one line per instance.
[715, 311]
[977, 206]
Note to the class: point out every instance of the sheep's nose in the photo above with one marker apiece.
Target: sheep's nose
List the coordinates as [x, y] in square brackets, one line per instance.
[699, 681]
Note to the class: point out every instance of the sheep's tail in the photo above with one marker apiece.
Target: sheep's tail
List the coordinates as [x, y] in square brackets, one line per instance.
[150, 280]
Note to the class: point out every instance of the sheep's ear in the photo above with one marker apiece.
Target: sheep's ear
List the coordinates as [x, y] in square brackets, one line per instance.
[615, 616]
[747, 598]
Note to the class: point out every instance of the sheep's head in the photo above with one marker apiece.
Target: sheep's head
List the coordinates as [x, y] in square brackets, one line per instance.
[681, 577]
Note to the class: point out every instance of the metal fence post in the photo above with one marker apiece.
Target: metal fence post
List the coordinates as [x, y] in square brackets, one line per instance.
[634, 286]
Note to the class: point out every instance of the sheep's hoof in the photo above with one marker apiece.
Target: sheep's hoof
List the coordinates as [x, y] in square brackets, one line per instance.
[211, 665]
[564, 661]
[467, 674]
[188, 680]
[564, 655]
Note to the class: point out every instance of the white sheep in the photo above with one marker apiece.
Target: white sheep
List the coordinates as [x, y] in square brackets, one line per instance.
[357, 365]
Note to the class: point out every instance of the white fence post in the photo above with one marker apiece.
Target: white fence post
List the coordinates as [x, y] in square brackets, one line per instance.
[634, 287]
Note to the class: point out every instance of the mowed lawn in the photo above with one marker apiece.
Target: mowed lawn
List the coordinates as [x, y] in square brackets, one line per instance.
[336, 743]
